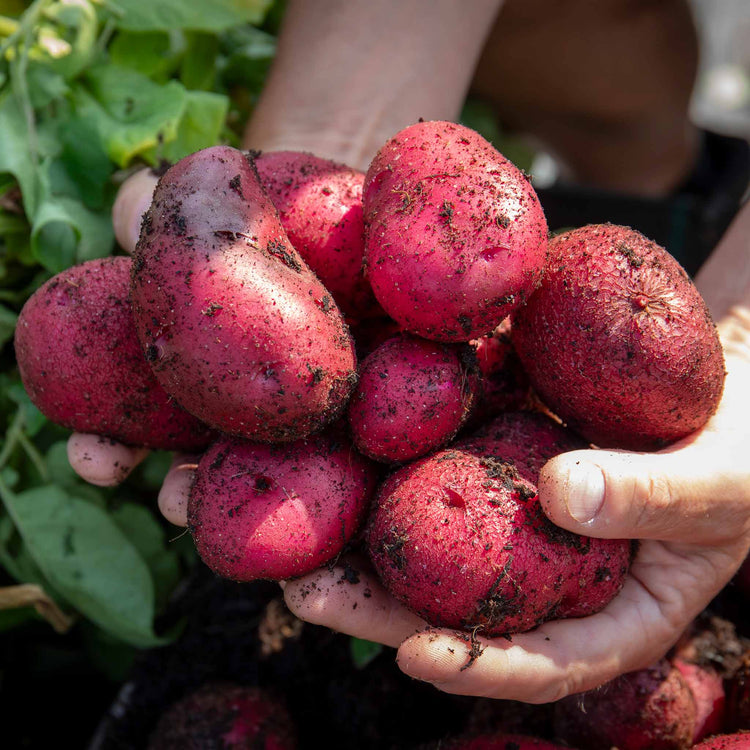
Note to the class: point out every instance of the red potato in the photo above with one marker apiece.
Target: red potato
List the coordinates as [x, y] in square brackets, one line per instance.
[275, 512]
[707, 687]
[236, 327]
[529, 439]
[650, 709]
[224, 716]
[320, 206]
[412, 397]
[738, 741]
[504, 384]
[455, 237]
[618, 342]
[83, 367]
[459, 538]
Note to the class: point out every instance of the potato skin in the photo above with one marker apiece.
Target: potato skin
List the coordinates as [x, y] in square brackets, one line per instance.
[234, 324]
[259, 511]
[455, 237]
[320, 206]
[228, 716]
[459, 537]
[83, 367]
[618, 341]
[412, 397]
[649, 709]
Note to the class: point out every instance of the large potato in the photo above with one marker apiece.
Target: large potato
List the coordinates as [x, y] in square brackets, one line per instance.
[236, 326]
[618, 341]
[455, 237]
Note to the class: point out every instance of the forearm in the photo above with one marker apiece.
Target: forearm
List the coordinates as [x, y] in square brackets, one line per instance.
[724, 282]
[351, 73]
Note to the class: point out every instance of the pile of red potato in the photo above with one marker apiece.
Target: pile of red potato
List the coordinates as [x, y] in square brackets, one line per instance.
[387, 356]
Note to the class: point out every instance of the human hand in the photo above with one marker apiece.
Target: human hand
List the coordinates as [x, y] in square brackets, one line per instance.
[689, 504]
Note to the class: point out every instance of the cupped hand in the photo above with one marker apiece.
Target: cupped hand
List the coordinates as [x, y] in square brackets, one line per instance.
[690, 506]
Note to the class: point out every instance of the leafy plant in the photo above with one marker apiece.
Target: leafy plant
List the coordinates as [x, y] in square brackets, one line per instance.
[89, 91]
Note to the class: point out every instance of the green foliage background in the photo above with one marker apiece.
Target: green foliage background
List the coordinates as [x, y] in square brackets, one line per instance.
[91, 90]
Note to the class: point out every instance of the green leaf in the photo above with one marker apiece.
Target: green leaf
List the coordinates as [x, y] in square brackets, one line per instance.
[65, 232]
[15, 155]
[146, 534]
[80, 549]
[7, 325]
[205, 15]
[198, 69]
[155, 54]
[33, 419]
[248, 53]
[131, 113]
[85, 161]
[363, 652]
[200, 126]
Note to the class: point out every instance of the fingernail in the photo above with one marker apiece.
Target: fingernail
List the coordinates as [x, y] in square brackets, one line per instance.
[585, 491]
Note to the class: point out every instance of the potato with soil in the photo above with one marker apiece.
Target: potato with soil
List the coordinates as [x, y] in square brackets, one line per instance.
[649, 709]
[460, 538]
[225, 716]
[236, 327]
[412, 397]
[83, 367]
[498, 741]
[320, 206]
[618, 341]
[259, 511]
[455, 237]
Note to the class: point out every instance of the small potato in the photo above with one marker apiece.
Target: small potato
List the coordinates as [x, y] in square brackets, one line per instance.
[83, 367]
[274, 512]
[618, 342]
[455, 237]
[412, 397]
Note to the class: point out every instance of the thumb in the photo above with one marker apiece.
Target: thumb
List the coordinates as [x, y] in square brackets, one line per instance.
[132, 201]
[692, 494]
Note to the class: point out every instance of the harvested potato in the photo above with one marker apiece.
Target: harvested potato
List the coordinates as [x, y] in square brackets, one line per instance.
[455, 237]
[236, 327]
[618, 341]
[83, 367]
[259, 511]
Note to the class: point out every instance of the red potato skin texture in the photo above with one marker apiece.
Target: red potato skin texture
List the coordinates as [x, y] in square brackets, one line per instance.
[234, 324]
[459, 537]
[412, 397]
[275, 512]
[223, 716]
[527, 438]
[650, 709]
[83, 367]
[455, 237]
[505, 385]
[618, 341]
[320, 206]
[707, 687]
[738, 741]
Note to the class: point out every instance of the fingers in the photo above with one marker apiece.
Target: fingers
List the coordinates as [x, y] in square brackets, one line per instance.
[692, 493]
[175, 490]
[133, 199]
[102, 461]
[665, 592]
[348, 598]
